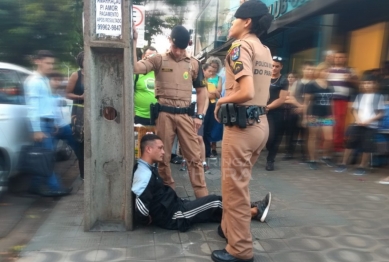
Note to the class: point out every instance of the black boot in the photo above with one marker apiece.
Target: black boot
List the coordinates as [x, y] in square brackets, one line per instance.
[224, 256]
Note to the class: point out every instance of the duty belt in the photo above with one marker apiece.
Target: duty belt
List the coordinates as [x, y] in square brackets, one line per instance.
[242, 116]
[174, 110]
[155, 109]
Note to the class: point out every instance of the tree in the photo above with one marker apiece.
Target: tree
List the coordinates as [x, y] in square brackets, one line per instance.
[28, 26]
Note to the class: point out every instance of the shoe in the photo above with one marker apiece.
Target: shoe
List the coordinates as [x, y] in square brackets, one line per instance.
[270, 166]
[214, 152]
[176, 160]
[263, 207]
[183, 165]
[327, 161]
[220, 232]
[51, 192]
[224, 256]
[359, 171]
[312, 165]
[341, 168]
[287, 157]
[206, 169]
[383, 182]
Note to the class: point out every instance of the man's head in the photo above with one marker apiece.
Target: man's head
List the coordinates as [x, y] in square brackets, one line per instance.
[308, 70]
[149, 52]
[179, 41]
[151, 147]
[340, 59]
[369, 83]
[329, 57]
[277, 65]
[55, 80]
[44, 60]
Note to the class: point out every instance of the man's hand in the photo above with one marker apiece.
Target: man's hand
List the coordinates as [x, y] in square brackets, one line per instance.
[197, 123]
[39, 136]
[217, 108]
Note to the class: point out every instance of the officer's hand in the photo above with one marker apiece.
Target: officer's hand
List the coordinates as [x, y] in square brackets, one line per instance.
[134, 32]
[197, 123]
[39, 136]
[215, 113]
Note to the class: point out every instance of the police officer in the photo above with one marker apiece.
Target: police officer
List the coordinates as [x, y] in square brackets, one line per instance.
[175, 74]
[248, 74]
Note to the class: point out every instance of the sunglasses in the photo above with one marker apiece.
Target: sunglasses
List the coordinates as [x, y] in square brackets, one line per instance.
[277, 58]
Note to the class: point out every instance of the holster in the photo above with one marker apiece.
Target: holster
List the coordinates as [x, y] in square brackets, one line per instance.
[241, 116]
[154, 113]
[191, 109]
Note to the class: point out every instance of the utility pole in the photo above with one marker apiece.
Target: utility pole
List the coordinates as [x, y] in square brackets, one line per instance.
[108, 115]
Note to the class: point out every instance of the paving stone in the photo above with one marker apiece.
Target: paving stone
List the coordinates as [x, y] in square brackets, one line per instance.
[298, 256]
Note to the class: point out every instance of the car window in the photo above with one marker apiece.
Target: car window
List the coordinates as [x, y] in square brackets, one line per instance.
[10, 87]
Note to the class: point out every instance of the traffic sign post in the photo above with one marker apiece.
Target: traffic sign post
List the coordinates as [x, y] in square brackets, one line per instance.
[108, 115]
[139, 18]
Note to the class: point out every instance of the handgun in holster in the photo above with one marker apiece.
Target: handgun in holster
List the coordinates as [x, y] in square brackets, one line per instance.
[154, 112]
[191, 109]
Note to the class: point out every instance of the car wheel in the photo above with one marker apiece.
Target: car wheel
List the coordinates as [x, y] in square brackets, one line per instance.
[4, 173]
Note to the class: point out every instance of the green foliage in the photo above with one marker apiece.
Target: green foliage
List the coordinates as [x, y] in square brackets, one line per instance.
[28, 26]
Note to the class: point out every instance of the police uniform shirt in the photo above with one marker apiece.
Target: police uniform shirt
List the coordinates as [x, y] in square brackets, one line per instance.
[172, 75]
[249, 57]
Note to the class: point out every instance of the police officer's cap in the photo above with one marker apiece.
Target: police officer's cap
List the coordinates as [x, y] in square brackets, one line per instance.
[250, 9]
[180, 36]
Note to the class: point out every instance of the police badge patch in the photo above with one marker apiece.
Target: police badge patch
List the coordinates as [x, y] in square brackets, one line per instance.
[235, 53]
[238, 67]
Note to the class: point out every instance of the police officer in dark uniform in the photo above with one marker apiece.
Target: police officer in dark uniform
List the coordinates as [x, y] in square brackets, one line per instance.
[176, 72]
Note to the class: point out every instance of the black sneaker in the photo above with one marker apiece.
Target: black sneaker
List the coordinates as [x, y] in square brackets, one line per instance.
[359, 171]
[270, 166]
[327, 161]
[340, 168]
[312, 165]
[263, 207]
[214, 152]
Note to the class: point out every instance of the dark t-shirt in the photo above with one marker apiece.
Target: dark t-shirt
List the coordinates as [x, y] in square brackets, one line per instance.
[321, 99]
[276, 86]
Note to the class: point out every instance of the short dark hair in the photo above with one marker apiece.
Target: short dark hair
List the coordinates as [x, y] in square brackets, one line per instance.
[41, 54]
[206, 66]
[55, 74]
[307, 63]
[152, 48]
[145, 141]
[80, 59]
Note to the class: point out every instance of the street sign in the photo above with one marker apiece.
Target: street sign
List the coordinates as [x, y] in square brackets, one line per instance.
[109, 17]
[139, 17]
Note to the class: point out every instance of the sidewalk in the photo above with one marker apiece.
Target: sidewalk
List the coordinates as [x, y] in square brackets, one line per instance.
[315, 216]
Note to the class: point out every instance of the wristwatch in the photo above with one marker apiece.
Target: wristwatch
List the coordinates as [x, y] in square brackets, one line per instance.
[200, 116]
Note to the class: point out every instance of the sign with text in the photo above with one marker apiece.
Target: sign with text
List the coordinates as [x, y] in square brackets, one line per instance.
[139, 17]
[109, 17]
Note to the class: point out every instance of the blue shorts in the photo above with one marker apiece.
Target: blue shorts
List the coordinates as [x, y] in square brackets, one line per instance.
[317, 121]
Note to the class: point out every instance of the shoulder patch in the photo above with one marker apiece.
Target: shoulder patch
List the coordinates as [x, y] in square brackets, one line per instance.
[235, 53]
[235, 44]
[238, 67]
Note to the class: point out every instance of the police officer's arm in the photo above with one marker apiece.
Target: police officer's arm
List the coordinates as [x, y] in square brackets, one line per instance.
[242, 66]
[201, 92]
[281, 98]
[145, 66]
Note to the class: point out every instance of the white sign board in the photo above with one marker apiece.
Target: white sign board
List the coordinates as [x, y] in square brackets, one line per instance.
[139, 17]
[109, 17]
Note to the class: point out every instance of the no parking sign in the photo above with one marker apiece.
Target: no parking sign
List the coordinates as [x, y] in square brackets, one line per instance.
[138, 17]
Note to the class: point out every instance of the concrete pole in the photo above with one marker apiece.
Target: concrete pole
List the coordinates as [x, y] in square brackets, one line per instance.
[108, 117]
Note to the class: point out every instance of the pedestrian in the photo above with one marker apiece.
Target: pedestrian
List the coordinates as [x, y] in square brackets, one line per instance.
[175, 74]
[248, 76]
[75, 92]
[41, 114]
[158, 204]
[368, 109]
[318, 115]
[343, 79]
[144, 95]
[276, 111]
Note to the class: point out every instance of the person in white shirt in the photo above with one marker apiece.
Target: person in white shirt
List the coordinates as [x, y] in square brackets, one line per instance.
[367, 110]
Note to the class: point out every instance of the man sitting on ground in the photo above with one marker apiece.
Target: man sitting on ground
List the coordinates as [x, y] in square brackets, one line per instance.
[159, 204]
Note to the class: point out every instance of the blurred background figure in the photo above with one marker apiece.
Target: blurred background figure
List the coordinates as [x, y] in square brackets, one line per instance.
[144, 95]
[329, 58]
[75, 92]
[368, 109]
[209, 122]
[275, 111]
[42, 114]
[343, 79]
[318, 115]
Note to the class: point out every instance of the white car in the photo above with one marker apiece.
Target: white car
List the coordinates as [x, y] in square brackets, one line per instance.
[14, 131]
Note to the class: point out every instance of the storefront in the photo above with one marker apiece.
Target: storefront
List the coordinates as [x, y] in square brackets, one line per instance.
[304, 29]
